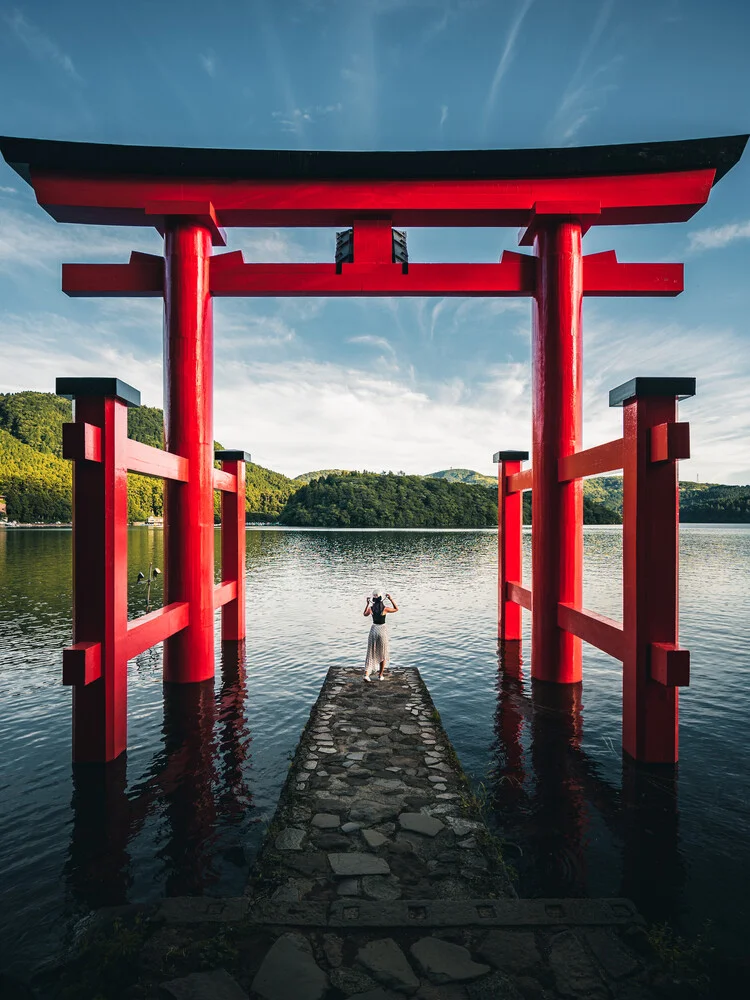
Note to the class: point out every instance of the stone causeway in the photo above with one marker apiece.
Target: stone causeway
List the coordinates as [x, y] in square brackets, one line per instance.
[379, 879]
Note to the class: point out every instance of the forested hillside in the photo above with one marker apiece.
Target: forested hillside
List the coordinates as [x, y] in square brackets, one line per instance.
[367, 500]
[36, 480]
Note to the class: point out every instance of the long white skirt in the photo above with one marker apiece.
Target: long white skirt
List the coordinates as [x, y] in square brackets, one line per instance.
[377, 648]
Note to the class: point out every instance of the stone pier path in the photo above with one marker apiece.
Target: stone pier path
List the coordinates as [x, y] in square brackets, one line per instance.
[378, 879]
[376, 806]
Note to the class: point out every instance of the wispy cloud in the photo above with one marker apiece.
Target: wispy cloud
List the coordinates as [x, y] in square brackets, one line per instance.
[719, 236]
[587, 88]
[40, 46]
[443, 114]
[372, 341]
[296, 119]
[34, 240]
[506, 58]
[7, 190]
[208, 62]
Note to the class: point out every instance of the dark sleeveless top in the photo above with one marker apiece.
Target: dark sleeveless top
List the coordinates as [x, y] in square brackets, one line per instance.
[378, 619]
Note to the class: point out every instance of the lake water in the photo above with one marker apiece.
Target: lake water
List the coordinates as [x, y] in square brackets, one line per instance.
[184, 811]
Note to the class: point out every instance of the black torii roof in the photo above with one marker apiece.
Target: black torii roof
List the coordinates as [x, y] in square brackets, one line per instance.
[719, 153]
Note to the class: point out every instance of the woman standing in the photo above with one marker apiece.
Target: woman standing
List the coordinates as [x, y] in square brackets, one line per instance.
[377, 642]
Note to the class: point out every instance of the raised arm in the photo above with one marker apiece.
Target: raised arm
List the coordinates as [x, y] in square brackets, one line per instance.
[368, 609]
[389, 611]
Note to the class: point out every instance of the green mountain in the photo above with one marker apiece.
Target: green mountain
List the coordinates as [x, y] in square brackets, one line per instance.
[368, 500]
[36, 480]
[307, 477]
[464, 476]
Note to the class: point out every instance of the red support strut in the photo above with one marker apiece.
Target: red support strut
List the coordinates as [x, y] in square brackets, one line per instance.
[653, 663]
[96, 664]
[557, 508]
[188, 426]
[233, 544]
[509, 541]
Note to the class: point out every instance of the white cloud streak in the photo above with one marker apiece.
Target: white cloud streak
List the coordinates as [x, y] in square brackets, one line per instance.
[585, 91]
[506, 58]
[719, 236]
[443, 114]
[40, 46]
[298, 118]
[208, 62]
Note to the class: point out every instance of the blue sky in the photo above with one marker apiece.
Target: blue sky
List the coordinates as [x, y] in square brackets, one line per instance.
[413, 384]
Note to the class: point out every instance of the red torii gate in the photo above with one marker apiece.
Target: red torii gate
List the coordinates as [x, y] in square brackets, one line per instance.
[189, 195]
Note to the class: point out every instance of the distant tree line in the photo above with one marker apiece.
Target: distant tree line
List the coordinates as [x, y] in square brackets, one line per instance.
[36, 482]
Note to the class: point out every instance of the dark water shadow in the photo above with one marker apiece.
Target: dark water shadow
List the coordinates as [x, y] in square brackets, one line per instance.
[190, 805]
[578, 833]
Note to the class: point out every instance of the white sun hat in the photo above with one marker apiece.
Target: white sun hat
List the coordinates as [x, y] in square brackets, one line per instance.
[377, 592]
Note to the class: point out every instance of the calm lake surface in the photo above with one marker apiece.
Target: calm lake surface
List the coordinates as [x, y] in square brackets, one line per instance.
[185, 812]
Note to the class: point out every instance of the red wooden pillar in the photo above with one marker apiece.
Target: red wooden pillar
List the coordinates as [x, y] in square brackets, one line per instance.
[557, 508]
[233, 544]
[509, 543]
[653, 665]
[188, 426]
[96, 664]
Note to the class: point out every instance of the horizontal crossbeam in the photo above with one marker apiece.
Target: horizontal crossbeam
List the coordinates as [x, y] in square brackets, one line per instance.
[230, 276]
[591, 462]
[155, 462]
[520, 481]
[519, 595]
[604, 633]
[224, 593]
[225, 481]
[155, 627]
[122, 200]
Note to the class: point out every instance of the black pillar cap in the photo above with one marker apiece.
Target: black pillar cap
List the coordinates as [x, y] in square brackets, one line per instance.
[110, 388]
[232, 456]
[680, 388]
[510, 456]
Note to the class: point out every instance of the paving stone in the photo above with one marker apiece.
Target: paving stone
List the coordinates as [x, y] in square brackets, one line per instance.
[351, 827]
[348, 887]
[372, 812]
[333, 947]
[444, 768]
[328, 841]
[308, 862]
[356, 755]
[327, 804]
[289, 971]
[376, 994]
[214, 985]
[373, 838]
[510, 950]
[325, 821]
[290, 839]
[293, 891]
[327, 750]
[435, 778]
[498, 986]
[574, 972]
[444, 962]
[462, 827]
[381, 887]
[409, 729]
[388, 964]
[616, 960]
[428, 826]
[358, 863]
[353, 981]
[378, 730]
